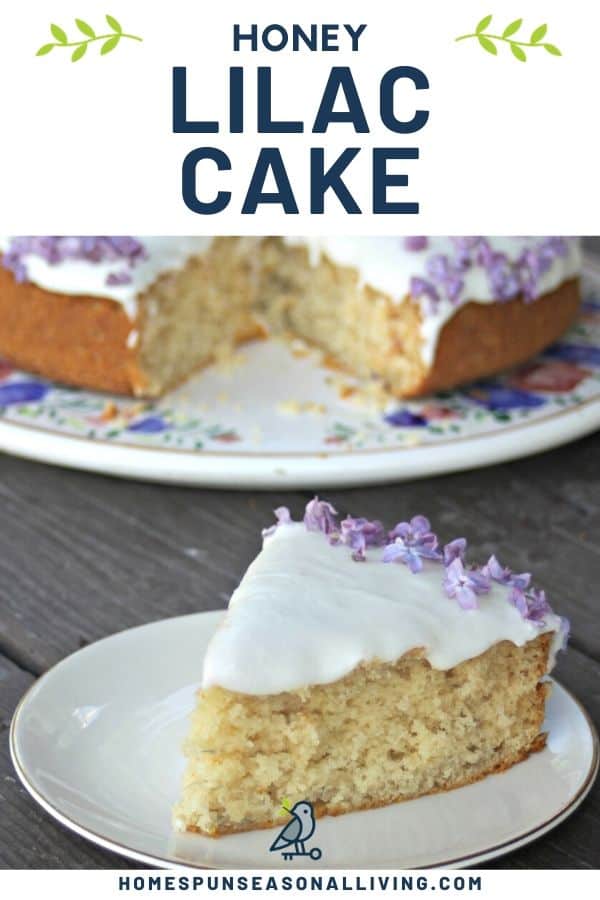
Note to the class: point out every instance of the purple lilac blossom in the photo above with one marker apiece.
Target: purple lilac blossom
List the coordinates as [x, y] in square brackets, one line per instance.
[503, 575]
[358, 534]
[414, 244]
[420, 289]
[507, 278]
[411, 543]
[321, 516]
[446, 274]
[118, 278]
[282, 514]
[456, 549]
[55, 250]
[532, 604]
[465, 585]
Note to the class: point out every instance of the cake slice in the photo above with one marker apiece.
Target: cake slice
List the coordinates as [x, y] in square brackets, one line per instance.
[358, 667]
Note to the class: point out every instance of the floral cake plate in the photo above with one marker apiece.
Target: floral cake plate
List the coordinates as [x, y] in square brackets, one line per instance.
[274, 417]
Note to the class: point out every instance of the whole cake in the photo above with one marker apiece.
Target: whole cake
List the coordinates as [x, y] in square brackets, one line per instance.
[358, 667]
[139, 315]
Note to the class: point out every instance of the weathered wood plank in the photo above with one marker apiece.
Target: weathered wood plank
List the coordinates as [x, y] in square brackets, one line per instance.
[86, 556]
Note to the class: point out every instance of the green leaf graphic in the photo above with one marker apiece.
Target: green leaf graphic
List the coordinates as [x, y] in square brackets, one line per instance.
[490, 40]
[78, 52]
[538, 34]
[512, 28]
[110, 44]
[59, 34]
[85, 28]
[488, 45]
[116, 26]
[79, 45]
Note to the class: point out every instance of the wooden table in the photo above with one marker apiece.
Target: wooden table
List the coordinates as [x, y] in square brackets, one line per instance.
[84, 556]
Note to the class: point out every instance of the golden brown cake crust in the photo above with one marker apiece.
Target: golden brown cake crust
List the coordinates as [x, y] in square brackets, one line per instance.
[482, 339]
[82, 340]
[78, 340]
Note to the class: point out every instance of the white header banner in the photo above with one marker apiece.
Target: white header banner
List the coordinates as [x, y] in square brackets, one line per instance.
[324, 118]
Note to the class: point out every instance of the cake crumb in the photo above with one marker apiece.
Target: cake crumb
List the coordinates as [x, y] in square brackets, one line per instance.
[228, 358]
[110, 411]
[297, 407]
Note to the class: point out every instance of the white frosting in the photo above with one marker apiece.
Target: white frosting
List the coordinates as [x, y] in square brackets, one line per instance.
[80, 276]
[386, 265]
[307, 613]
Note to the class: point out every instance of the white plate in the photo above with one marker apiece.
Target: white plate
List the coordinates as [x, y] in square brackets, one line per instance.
[278, 421]
[96, 742]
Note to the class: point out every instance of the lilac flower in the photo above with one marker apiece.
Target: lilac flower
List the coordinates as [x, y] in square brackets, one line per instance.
[456, 549]
[117, 278]
[55, 250]
[415, 243]
[361, 533]
[446, 274]
[321, 516]
[532, 604]
[507, 278]
[282, 514]
[438, 267]
[465, 585]
[411, 543]
[421, 288]
[535, 261]
[503, 277]
[503, 575]
[464, 248]
[532, 265]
